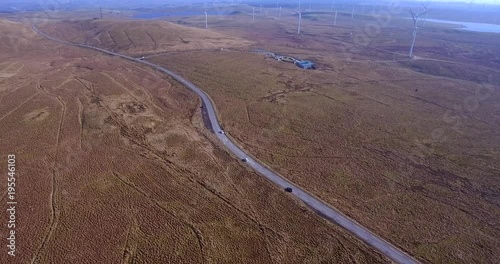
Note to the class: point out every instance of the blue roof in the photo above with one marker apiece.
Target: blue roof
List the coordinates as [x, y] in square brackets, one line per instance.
[305, 62]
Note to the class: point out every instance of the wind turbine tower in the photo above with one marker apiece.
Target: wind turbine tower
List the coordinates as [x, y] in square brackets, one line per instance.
[416, 18]
[300, 20]
[206, 19]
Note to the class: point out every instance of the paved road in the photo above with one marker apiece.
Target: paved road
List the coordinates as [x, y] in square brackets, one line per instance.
[320, 207]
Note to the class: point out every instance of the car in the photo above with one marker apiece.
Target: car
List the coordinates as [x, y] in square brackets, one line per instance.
[244, 159]
[221, 132]
[288, 189]
[142, 58]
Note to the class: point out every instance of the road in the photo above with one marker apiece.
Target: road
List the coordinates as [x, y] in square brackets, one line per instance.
[325, 210]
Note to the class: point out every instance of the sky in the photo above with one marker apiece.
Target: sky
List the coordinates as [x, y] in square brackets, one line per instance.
[210, 1]
[153, 3]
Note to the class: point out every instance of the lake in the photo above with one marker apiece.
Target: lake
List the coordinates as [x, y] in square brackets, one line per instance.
[478, 27]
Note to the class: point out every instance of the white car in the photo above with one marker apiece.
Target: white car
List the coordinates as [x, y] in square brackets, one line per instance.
[244, 159]
[221, 132]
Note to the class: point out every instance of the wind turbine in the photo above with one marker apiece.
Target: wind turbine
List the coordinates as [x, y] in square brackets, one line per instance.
[482, 9]
[300, 20]
[206, 19]
[335, 19]
[280, 12]
[416, 18]
[253, 14]
[425, 15]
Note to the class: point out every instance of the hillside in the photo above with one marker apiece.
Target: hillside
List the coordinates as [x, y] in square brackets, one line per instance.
[141, 37]
[115, 166]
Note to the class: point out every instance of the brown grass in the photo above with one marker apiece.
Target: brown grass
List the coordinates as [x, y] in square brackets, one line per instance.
[115, 166]
[391, 142]
[141, 38]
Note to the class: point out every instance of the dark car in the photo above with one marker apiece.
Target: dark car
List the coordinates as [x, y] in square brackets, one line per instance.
[288, 189]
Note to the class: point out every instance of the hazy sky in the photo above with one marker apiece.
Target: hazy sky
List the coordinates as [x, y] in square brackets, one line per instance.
[226, 1]
[154, 3]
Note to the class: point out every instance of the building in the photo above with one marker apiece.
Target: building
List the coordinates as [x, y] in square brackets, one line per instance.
[283, 58]
[288, 59]
[305, 64]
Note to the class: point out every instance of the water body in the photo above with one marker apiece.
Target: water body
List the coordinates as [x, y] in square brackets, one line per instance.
[478, 27]
[178, 14]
